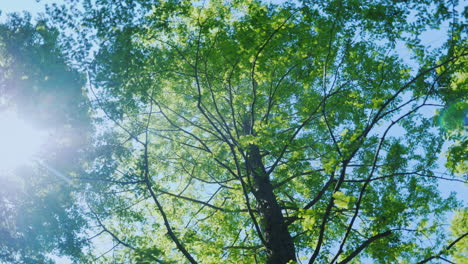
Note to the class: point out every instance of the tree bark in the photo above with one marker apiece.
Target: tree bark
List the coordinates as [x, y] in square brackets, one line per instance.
[279, 243]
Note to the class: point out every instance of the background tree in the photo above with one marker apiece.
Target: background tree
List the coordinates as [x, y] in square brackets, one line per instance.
[39, 216]
[251, 132]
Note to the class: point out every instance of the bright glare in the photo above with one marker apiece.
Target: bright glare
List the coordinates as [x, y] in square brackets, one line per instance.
[19, 141]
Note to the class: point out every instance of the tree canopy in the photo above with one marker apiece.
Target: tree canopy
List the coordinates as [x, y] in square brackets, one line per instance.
[264, 132]
[38, 213]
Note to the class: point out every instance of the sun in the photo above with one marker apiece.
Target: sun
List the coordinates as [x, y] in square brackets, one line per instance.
[19, 141]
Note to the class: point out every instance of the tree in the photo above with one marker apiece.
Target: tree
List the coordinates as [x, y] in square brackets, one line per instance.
[39, 216]
[252, 132]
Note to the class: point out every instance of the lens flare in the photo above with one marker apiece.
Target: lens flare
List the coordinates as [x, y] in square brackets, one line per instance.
[19, 141]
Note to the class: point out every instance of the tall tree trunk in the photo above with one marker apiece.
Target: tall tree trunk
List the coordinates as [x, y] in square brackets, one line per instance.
[279, 243]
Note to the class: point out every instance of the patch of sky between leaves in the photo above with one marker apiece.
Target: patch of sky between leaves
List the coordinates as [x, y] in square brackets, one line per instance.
[32, 6]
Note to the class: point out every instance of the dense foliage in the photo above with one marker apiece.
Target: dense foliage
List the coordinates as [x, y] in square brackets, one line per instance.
[252, 132]
[38, 214]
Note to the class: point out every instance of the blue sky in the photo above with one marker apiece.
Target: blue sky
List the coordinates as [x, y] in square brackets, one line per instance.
[32, 6]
